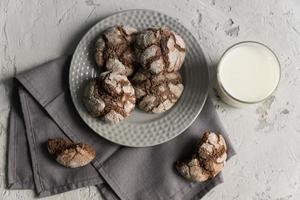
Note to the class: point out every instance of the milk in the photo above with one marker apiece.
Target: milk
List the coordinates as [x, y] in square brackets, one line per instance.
[247, 73]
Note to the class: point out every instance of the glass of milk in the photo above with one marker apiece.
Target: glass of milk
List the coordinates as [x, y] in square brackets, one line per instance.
[248, 73]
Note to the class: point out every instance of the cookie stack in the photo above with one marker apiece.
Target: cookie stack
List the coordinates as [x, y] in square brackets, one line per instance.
[138, 67]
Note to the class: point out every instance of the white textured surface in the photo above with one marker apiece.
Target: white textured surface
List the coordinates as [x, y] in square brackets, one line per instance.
[266, 136]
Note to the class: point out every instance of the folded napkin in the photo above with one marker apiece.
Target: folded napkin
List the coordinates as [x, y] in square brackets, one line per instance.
[42, 108]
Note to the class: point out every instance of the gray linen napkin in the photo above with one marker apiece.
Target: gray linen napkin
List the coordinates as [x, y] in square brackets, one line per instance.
[42, 109]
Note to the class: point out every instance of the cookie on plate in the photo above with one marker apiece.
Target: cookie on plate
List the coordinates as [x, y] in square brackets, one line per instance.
[157, 93]
[110, 97]
[114, 50]
[160, 49]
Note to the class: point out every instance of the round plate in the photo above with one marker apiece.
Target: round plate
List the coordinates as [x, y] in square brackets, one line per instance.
[143, 129]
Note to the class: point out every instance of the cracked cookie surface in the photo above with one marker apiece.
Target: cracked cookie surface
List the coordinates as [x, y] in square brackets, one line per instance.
[208, 161]
[110, 97]
[157, 93]
[114, 50]
[70, 154]
[160, 49]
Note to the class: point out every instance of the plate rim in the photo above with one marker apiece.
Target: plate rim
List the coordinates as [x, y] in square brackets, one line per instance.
[179, 132]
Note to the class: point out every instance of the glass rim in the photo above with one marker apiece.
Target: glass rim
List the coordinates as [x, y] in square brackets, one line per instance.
[222, 86]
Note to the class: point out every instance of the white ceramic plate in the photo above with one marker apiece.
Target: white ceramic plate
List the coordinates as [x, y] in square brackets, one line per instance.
[143, 129]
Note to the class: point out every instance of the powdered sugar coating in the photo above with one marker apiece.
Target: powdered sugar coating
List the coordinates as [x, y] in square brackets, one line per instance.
[208, 161]
[92, 100]
[160, 49]
[113, 94]
[157, 93]
[114, 51]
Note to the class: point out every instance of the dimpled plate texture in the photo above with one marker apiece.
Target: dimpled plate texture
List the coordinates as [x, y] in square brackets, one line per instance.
[143, 129]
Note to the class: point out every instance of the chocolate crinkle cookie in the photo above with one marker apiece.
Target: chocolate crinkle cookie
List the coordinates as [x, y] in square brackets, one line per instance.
[157, 93]
[160, 49]
[208, 161]
[114, 50]
[110, 97]
[70, 154]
